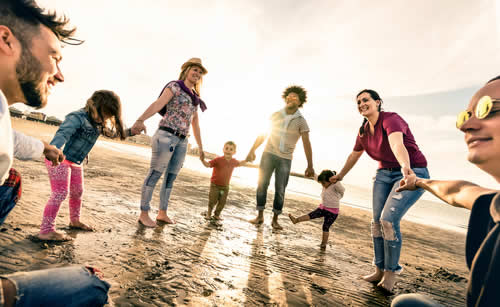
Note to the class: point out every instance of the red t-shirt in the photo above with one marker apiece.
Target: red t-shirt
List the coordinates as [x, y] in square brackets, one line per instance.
[377, 145]
[223, 169]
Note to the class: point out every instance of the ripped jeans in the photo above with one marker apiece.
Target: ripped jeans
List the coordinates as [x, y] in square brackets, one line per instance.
[389, 207]
[169, 152]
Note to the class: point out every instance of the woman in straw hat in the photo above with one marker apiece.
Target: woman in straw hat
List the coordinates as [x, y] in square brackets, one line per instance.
[177, 104]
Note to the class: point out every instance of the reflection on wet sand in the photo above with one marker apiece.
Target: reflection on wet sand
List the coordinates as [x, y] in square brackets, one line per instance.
[257, 290]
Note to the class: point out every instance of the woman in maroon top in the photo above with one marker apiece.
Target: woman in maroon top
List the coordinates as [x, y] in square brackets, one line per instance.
[386, 138]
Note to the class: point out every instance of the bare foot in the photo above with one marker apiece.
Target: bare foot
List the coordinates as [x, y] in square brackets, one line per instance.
[374, 277]
[217, 217]
[54, 236]
[388, 281]
[257, 221]
[165, 219]
[322, 246]
[80, 225]
[293, 219]
[207, 215]
[145, 220]
[276, 225]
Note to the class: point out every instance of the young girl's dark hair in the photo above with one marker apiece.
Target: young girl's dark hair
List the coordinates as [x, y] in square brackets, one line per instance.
[107, 102]
[325, 175]
[375, 96]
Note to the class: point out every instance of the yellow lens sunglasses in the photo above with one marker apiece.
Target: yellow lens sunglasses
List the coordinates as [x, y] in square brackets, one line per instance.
[483, 108]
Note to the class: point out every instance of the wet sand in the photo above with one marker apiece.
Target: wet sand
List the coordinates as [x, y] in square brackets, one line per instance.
[234, 263]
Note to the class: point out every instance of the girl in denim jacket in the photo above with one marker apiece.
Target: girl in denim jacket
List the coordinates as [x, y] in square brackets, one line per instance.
[78, 133]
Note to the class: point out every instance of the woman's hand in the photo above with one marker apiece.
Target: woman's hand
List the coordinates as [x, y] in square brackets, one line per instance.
[409, 180]
[336, 178]
[138, 127]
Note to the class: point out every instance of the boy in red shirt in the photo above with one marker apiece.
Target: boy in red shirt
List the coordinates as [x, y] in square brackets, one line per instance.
[223, 167]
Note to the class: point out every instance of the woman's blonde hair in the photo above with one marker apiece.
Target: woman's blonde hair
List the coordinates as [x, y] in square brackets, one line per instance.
[107, 102]
[197, 86]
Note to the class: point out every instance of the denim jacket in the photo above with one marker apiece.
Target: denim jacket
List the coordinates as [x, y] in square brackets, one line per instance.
[79, 133]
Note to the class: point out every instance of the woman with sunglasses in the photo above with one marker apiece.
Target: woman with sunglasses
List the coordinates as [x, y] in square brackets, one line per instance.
[386, 138]
[480, 124]
[178, 104]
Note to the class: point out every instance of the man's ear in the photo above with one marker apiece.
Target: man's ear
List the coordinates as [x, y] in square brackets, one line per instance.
[8, 42]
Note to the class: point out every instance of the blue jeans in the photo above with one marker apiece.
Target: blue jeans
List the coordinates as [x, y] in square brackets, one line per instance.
[270, 163]
[169, 152]
[413, 300]
[68, 286]
[389, 207]
[10, 193]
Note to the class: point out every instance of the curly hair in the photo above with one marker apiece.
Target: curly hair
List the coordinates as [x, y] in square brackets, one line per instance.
[299, 90]
[104, 102]
[24, 18]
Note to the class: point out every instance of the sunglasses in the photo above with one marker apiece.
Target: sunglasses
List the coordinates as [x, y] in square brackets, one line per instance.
[483, 108]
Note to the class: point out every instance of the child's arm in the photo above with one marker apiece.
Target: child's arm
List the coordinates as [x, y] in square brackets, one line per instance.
[207, 164]
[242, 162]
[339, 188]
[129, 132]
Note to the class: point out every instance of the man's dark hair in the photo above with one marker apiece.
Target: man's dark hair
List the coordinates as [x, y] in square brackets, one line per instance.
[494, 79]
[24, 18]
[325, 175]
[299, 90]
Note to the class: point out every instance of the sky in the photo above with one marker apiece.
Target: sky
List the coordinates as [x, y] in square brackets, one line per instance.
[425, 58]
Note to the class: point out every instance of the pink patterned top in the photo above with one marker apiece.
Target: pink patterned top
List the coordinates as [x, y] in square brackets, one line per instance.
[179, 110]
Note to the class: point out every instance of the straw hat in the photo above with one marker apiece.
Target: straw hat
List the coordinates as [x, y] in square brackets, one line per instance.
[194, 61]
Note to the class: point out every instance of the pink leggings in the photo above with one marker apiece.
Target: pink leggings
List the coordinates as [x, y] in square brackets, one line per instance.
[67, 174]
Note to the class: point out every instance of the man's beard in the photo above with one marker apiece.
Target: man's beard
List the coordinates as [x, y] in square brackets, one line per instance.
[28, 72]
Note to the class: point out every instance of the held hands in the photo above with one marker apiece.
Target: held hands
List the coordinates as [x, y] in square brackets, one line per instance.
[408, 184]
[336, 178]
[409, 180]
[138, 127]
[202, 155]
[136, 130]
[309, 172]
[53, 154]
[251, 156]
[205, 163]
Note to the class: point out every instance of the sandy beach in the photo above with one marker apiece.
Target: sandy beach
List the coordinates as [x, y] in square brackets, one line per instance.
[234, 263]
